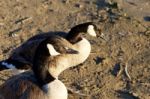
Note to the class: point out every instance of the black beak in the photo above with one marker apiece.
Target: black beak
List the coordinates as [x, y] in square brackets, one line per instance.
[100, 34]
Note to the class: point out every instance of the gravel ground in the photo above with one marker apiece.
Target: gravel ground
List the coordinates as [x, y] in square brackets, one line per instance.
[118, 66]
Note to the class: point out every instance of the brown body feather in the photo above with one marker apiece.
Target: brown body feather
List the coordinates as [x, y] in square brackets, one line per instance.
[23, 86]
[26, 51]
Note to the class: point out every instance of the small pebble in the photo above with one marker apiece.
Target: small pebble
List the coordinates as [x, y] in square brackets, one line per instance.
[79, 5]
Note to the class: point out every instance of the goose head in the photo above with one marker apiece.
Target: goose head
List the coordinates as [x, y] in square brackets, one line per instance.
[74, 34]
[46, 51]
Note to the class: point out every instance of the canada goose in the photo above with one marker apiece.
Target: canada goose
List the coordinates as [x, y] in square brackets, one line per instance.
[39, 84]
[21, 58]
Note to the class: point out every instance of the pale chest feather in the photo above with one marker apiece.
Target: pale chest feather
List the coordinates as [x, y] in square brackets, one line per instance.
[56, 90]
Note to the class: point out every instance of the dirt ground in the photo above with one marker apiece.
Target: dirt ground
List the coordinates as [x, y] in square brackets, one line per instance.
[119, 64]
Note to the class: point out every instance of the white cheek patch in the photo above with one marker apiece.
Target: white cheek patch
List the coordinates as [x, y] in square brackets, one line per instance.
[52, 51]
[91, 30]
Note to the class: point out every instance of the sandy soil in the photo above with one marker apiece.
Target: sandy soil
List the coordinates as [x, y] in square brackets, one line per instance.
[125, 49]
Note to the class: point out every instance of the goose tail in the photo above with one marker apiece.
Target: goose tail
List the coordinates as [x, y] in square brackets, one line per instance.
[13, 64]
[4, 64]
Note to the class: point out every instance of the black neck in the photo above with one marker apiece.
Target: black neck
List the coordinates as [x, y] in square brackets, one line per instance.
[40, 65]
[74, 36]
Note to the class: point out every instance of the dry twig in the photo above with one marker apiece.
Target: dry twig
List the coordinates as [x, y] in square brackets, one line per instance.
[77, 92]
[126, 71]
